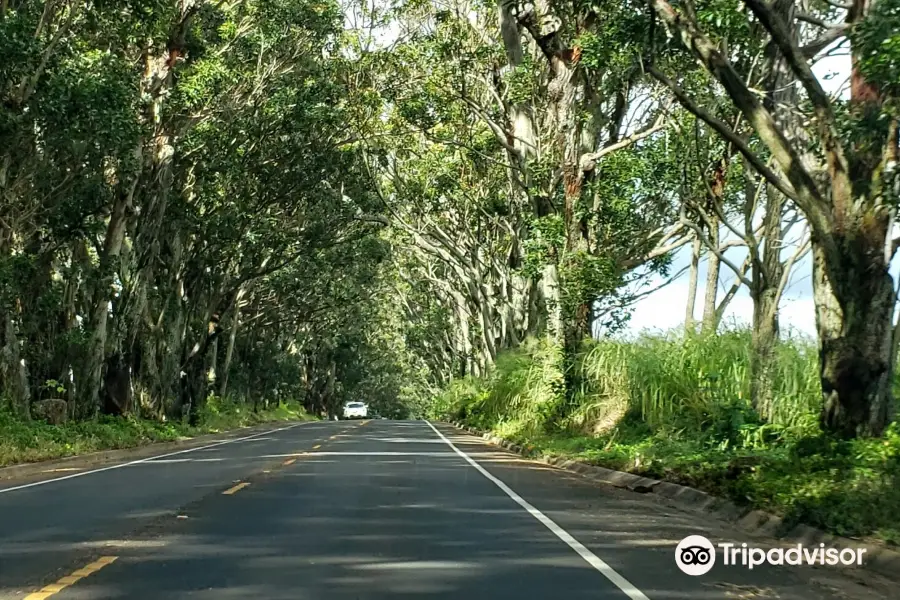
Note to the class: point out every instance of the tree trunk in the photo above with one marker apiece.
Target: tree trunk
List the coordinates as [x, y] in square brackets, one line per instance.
[781, 95]
[150, 394]
[854, 321]
[211, 364]
[112, 249]
[229, 352]
[13, 372]
[194, 382]
[689, 323]
[710, 323]
[74, 277]
[172, 339]
[764, 339]
[552, 303]
[463, 341]
[765, 292]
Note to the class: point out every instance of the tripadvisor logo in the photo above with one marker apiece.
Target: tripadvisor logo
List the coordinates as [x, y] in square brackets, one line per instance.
[696, 555]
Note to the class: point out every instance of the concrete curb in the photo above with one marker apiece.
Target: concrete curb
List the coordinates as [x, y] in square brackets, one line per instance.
[103, 457]
[879, 559]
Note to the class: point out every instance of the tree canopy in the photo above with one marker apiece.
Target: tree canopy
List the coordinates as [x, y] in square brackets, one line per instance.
[322, 201]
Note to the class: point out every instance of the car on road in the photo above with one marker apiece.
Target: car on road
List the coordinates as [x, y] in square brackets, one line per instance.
[355, 410]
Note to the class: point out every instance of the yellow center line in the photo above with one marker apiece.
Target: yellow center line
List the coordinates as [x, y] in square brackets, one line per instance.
[236, 488]
[289, 461]
[63, 583]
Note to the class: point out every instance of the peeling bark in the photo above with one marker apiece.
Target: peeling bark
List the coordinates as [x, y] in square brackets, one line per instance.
[693, 276]
[713, 265]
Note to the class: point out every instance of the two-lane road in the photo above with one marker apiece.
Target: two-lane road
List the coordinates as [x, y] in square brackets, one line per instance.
[354, 510]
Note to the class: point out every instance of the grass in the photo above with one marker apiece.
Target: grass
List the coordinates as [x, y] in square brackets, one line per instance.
[678, 409]
[22, 442]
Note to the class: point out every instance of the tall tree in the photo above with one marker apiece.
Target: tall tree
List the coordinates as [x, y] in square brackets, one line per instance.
[844, 185]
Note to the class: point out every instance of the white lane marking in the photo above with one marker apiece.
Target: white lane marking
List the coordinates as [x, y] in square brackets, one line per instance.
[322, 453]
[405, 440]
[592, 559]
[170, 461]
[317, 453]
[142, 460]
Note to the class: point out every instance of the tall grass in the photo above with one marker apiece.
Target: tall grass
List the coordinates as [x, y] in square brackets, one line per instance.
[679, 408]
[667, 381]
[675, 382]
[520, 394]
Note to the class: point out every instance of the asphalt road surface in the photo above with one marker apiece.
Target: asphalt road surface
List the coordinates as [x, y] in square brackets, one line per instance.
[358, 510]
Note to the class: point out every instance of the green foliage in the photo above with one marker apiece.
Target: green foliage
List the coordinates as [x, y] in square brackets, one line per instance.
[877, 39]
[587, 276]
[219, 132]
[678, 409]
[30, 441]
[613, 43]
[545, 235]
[523, 389]
[520, 82]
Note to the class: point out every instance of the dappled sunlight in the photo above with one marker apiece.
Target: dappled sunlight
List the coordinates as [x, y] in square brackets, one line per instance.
[126, 544]
[417, 565]
[396, 440]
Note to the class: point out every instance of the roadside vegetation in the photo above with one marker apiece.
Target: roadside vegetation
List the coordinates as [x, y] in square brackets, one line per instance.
[31, 441]
[678, 409]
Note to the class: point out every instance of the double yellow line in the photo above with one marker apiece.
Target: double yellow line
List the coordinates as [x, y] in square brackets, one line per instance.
[55, 588]
[236, 488]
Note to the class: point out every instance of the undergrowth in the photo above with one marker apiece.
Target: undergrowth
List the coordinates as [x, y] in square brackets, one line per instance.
[30, 441]
[678, 409]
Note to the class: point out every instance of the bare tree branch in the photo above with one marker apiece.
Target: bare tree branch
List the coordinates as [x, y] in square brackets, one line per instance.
[825, 119]
[802, 250]
[826, 39]
[805, 190]
[726, 132]
[814, 20]
[733, 290]
[589, 161]
[712, 248]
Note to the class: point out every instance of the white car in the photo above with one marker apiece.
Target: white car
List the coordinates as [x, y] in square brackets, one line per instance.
[355, 410]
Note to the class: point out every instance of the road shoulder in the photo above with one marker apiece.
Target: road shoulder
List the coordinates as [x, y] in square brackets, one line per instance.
[600, 505]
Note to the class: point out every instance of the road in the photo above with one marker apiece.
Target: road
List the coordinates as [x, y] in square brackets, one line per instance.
[359, 510]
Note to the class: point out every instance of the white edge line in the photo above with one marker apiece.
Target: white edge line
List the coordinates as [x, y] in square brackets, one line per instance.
[329, 453]
[592, 559]
[144, 460]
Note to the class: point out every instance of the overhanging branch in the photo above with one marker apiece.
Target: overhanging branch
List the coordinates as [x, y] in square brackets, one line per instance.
[725, 131]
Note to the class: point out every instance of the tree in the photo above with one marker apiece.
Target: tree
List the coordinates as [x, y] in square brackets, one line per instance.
[843, 184]
[176, 175]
